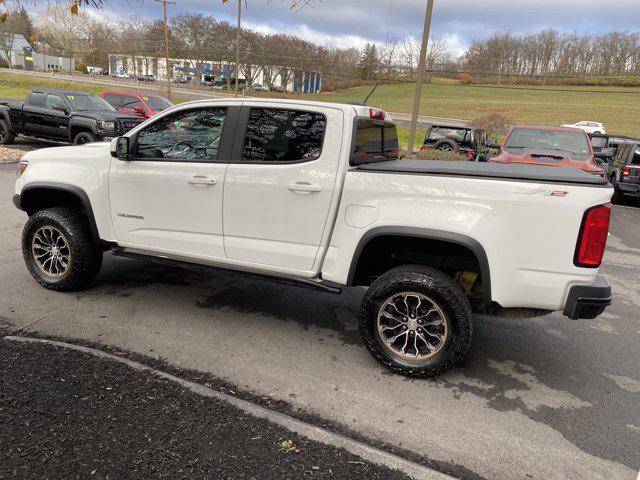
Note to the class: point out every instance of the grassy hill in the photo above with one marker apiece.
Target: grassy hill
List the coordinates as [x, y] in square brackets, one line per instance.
[617, 108]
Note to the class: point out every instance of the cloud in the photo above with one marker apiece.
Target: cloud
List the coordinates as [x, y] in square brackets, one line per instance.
[355, 22]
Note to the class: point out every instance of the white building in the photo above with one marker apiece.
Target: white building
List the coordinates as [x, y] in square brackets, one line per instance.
[211, 71]
[22, 54]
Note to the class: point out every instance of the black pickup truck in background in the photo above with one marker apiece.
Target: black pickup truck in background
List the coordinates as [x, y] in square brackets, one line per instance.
[63, 116]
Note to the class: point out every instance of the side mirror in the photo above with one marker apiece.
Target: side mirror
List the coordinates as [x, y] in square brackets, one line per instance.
[493, 144]
[120, 148]
[58, 106]
[138, 109]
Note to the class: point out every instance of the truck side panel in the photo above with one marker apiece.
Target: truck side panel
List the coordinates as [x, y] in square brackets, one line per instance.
[529, 235]
[80, 168]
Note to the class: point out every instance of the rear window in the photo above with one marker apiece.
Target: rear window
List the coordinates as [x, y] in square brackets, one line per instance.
[443, 133]
[534, 139]
[375, 139]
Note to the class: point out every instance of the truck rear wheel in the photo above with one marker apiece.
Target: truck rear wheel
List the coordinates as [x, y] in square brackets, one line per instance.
[7, 136]
[59, 250]
[416, 321]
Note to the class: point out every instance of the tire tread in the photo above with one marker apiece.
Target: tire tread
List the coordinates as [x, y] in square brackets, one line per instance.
[86, 255]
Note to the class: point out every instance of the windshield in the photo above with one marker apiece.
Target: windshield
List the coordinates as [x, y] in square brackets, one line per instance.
[574, 143]
[375, 141]
[89, 103]
[157, 103]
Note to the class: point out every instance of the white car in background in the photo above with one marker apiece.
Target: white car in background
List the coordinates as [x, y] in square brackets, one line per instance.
[589, 127]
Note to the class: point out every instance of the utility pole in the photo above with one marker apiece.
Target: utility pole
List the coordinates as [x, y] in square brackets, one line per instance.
[419, 81]
[166, 43]
[238, 47]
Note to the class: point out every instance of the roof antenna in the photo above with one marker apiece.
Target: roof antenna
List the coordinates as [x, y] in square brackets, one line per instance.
[371, 93]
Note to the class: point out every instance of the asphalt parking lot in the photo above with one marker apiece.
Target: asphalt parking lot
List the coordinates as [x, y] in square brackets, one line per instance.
[535, 398]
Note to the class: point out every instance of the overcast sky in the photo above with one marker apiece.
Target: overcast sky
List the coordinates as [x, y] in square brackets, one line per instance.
[355, 22]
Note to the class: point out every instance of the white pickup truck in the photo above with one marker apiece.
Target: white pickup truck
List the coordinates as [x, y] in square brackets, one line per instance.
[314, 194]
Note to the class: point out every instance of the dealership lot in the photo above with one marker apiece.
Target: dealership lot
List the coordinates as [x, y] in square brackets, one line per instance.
[536, 398]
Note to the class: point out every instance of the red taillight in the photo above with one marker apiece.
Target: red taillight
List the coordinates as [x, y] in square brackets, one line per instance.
[471, 155]
[593, 237]
[376, 114]
[423, 148]
[626, 172]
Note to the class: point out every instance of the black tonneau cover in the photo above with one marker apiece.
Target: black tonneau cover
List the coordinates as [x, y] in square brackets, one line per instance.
[511, 171]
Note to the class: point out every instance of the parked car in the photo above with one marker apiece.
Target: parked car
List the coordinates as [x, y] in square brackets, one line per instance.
[624, 174]
[63, 116]
[466, 140]
[143, 106]
[278, 89]
[589, 127]
[432, 241]
[545, 145]
[256, 87]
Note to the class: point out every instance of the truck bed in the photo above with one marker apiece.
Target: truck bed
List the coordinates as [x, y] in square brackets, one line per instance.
[14, 104]
[524, 172]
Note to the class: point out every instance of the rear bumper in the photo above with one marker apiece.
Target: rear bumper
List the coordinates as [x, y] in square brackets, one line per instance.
[628, 188]
[588, 301]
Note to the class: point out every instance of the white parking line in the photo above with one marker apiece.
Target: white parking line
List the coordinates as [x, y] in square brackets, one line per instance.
[364, 451]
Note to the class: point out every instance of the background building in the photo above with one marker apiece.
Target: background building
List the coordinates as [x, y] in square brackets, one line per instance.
[221, 73]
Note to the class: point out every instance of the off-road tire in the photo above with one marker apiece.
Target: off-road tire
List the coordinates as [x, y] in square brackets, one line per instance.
[447, 145]
[84, 137]
[7, 136]
[85, 256]
[442, 289]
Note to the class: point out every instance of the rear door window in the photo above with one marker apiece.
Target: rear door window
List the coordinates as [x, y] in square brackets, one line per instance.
[36, 99]
[113, 99]
[282, 135]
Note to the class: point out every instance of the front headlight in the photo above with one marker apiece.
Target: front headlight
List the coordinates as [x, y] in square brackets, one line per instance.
[106, 125]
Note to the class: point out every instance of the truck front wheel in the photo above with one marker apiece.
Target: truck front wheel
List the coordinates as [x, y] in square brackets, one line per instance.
[84, 137]
[416, 321]
[59, 250]
[7, 136]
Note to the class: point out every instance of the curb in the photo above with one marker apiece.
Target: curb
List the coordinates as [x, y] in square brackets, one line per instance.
[312, 432]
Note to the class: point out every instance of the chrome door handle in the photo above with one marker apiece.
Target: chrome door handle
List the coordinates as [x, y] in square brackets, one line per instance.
[202, 180]
[304, 187]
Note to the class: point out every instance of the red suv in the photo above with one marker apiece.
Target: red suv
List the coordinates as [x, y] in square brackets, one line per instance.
[144, 106]
[544, 145]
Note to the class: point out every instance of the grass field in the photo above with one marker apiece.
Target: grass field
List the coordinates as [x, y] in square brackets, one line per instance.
[17, 86]
[617, 108]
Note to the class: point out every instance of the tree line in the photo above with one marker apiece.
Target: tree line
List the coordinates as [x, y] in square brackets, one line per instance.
[550, 53]
[200, 38]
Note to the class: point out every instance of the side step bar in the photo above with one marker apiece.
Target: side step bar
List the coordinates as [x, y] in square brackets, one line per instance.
[322, 286]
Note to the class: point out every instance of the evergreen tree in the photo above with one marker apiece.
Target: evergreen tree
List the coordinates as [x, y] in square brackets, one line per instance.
[369, 61]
